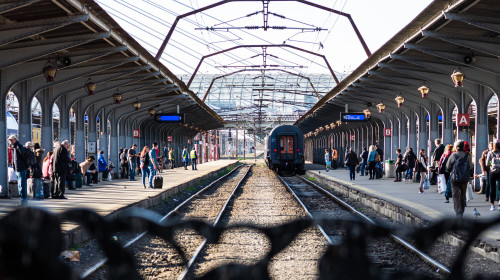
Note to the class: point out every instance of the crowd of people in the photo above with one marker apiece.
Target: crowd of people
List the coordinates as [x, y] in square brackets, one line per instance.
[50, 176]
[450, 167]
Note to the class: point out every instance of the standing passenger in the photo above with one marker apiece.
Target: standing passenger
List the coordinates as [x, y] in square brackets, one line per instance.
[335, 157]
[399, 164]
[60, 166]
[194, 157]
[485, 168]
[422, 169]
[144, 166]
[327, 160]
[185, 157]
[372, 161]
[153, 163]
[124, 164]
[132, 161]
[20, 167]
[493, 160]
[171, 158]
[442, 170]
[352, 161]
[460, 165]
[364, 162]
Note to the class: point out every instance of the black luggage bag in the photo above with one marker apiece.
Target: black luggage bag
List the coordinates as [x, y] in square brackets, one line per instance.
[158, 182]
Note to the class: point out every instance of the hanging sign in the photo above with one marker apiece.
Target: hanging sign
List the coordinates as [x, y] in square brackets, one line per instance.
[463, 120]
[352, 138]
[353, 117]
[169, 138]
[170, 118]
[387, 132]
[136, 133]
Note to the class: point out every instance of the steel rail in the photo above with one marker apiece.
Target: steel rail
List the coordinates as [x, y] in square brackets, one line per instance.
[187, 270]
[398, 239]
[330, 241]
[102, 262]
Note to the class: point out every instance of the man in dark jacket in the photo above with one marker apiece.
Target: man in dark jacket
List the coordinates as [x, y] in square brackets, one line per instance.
[380, 152]
[436, 156]
[19, 165]
[459, 189]
[60, 165]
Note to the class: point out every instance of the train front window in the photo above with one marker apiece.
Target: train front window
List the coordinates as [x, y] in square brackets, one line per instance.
[286, 144]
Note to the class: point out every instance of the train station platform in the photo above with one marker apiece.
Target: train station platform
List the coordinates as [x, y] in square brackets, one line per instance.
[110, 197]
[402, 202]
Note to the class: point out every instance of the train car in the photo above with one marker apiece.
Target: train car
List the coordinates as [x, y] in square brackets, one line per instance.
[285, 150]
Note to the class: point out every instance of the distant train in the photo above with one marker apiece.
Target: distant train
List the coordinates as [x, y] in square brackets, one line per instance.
[285, 150]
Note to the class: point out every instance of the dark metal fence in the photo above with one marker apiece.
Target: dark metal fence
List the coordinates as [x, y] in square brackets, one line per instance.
[31, 242]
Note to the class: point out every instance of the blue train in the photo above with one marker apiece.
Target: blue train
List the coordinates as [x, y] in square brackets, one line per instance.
[285, 150]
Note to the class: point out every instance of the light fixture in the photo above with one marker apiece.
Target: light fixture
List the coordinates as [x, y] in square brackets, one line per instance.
[137, 105]
[117, 97]
[367, 113]
[316, 133]
[327, 127]
[49, 71]
[152, 112]
[321, 129]
[90, 86]
[458, 77]
[424, 90]
[381, 107]
[399, 100]
[332, 126]
[339, 122]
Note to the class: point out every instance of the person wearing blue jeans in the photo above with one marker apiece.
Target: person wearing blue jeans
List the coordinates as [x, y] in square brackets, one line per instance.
[152, 164]
[364, 162]
[132, 161]
[20, 167]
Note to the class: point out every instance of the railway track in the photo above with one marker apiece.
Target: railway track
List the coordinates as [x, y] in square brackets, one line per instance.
[317, 201]
[177, 213]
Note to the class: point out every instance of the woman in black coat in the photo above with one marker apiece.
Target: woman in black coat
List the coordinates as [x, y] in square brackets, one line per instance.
[351, 162]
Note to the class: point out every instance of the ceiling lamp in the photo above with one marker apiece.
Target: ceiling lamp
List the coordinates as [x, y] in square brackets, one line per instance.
[367, 113]
[458, 77]
[399, 100]
[49, 71]
[339, 122]
[90, 86]
[424, 90]
[381, 107]
[315, 133]
[152, 112]
[117, 97]
[327, 127]
[332, 126]
[321, 129]
[137, 105]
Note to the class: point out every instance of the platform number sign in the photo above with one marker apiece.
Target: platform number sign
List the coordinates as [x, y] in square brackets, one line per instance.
[463, 120]
[136, 133]
[387, 132]
[189, 141]
[352, 138]
[169, 138]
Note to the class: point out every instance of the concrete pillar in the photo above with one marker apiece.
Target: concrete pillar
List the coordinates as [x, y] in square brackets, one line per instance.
[104, 136]
[403, 131]
[79, 131]
[447, 125]
[463, 132]
[433, 128]
[121, 134]
[113, 147]
[64, 125]
[4, 181]
[47, 134]
[481, 133]
[24, 118]
[412, 135]
[92, 131]
[395, 136]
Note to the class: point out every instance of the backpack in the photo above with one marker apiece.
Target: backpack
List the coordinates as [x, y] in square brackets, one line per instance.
[495, 163]
[29, 157]
[145, 160]
[460, 171]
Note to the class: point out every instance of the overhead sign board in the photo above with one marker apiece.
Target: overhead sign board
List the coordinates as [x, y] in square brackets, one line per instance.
[387, 132]
[463, 120]
[136, 133]
[169, 138]
[353, 117]
[353, 137]
[170, 118]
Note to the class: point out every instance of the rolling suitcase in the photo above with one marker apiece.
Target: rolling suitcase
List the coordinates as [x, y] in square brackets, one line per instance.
[158, 182]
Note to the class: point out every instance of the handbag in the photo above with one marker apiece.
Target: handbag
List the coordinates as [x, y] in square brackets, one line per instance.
[441, 183]
[427, 185]
[12, 175]
[468, 193]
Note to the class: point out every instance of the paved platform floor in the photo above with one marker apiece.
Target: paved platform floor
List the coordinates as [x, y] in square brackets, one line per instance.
[429, 206]
[107, 197]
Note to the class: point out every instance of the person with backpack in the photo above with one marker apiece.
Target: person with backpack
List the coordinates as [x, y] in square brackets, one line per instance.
[493, 161]
[422, 169]
[409, 159]
[460, 166]
[144, 166]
